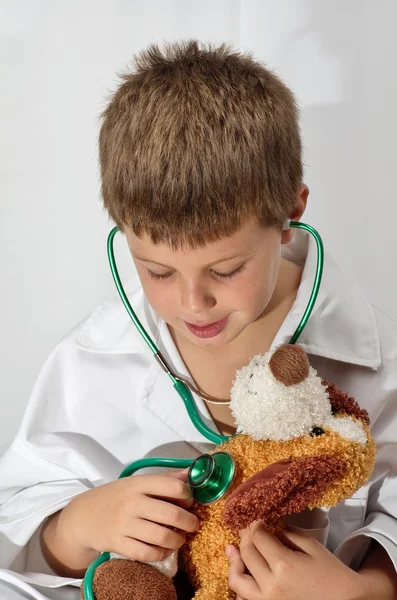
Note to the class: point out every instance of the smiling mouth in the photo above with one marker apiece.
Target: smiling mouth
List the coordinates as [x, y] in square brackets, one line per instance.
[203, 324]
[209, 330]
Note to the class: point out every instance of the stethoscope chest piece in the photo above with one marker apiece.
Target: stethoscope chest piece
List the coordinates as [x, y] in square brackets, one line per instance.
[211, 476]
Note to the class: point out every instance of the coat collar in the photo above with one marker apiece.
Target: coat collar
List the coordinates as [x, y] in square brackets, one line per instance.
[342, 326]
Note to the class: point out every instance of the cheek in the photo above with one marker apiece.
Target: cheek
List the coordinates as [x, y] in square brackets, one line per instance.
[255, 292]
[159, 295]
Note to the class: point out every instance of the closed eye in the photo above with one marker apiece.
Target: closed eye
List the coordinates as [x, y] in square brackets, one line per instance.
[159, 276]
[231, 274]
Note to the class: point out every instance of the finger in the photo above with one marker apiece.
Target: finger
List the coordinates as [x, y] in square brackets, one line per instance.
[269, 546]
[239, 582]
[136, 550]
[164, 486]
[182, 476]
[167, 488]
[155, 535]
[254, 560]
[183, 503]
[166, 513]
[178, 474]
[299, 541]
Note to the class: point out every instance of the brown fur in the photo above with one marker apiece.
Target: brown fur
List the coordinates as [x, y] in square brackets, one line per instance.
[343, 404]
[272, 479]
[204, 551]
[282, 489]
[122, 579]
[195, 139]
[289, 364]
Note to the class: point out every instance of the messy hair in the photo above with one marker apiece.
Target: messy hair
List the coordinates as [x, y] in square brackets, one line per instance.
[195, 139]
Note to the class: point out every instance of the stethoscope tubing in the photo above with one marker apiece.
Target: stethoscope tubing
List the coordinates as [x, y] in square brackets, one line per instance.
[180, 386]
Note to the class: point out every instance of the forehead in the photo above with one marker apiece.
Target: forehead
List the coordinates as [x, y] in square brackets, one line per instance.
[250, 236]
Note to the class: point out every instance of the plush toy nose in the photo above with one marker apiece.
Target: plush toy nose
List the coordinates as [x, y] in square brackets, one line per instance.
[289, 364]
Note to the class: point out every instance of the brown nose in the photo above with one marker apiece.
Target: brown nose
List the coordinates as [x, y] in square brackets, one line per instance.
[289, 364]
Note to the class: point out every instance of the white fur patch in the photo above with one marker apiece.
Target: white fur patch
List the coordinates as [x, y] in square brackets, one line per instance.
[349, 428]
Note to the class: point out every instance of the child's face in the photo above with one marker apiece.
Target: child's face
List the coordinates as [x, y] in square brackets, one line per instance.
[211, 294]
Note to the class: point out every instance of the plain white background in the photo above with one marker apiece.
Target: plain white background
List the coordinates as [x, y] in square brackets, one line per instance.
[59, 60]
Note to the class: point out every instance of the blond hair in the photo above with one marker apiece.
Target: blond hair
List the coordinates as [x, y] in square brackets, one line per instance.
[195, 139]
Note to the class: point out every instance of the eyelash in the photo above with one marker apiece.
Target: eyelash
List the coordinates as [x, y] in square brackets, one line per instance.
[220, 275]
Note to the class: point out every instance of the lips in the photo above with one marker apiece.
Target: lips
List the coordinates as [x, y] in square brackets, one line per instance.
[207, 330]
[202, 324]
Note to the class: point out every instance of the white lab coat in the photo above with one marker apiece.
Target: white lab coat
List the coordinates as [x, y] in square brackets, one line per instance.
[102, 401]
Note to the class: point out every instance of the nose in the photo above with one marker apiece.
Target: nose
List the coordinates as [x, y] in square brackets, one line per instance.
[196, 299]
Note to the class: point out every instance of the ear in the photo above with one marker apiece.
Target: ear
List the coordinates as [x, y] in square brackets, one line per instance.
[296, 215]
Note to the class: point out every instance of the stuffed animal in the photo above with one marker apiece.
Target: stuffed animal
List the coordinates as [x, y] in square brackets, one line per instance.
[301, 444]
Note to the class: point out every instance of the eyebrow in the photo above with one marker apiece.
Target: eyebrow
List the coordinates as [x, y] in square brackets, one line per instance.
[226, 258]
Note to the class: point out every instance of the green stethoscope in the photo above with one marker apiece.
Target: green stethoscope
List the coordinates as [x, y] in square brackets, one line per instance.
[210, 475]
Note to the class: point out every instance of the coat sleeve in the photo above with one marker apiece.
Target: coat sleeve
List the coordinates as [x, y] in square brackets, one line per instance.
[54, 457]
[381, 514]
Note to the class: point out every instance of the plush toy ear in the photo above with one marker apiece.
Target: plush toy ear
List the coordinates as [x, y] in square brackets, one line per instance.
[342, 404]
[282, 488]
[289, 364]
[123, 579]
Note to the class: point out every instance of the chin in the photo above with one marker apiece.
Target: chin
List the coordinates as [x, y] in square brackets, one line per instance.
[218, 340]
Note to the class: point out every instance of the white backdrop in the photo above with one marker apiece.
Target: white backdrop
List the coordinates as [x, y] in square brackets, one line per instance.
[59, 60]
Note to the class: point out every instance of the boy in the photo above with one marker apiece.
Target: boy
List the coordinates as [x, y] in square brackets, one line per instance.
[201, 165]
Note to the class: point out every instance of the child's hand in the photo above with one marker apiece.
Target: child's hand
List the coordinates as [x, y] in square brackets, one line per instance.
[129, 516]
[288, 566]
